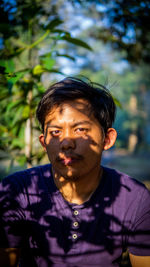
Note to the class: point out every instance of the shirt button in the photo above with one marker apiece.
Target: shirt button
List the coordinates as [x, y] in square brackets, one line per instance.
[74, 236]
[75, 224]
[76, 212]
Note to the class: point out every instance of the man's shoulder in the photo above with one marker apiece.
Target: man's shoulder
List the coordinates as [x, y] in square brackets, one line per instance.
[26, 176]
[128, 195]
[124, 182]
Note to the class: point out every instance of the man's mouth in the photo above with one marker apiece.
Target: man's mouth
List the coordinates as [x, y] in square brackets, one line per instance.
[68, 160]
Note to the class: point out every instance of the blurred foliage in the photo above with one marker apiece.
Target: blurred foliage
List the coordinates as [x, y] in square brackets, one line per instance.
[119, 34]
[131, 88]
[27, 28]
[122, 23]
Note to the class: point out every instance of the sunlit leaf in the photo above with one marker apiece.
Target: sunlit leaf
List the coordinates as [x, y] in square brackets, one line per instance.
[26, 79]
[26, 112]
[38, 69]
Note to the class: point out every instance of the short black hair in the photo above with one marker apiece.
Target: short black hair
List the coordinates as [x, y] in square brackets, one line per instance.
[102, 103]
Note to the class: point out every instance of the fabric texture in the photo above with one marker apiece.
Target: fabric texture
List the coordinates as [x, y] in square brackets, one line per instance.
[54, 232]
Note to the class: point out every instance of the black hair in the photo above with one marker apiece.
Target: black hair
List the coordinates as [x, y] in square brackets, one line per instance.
[102, 103]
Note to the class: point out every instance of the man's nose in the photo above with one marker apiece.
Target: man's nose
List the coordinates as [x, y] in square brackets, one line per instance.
[67, 141]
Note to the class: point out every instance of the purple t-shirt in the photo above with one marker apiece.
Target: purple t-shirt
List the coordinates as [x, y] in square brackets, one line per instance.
[53, 232]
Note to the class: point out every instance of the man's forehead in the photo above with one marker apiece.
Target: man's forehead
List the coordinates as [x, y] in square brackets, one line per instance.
[79, 105]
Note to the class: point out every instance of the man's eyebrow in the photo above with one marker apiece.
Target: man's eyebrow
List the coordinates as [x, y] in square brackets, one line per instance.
[53, 126]
[49, 125]
[81, 122]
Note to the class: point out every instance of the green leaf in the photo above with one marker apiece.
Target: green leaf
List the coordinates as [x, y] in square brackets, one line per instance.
[66, 56]
[26, 112]
[77, 42]
[40, 88]
[54, 23]
[56, 71]
[117, 102]
[48, 63]
[38, 69]
[61, 32]
[8, 65]
[12, 78]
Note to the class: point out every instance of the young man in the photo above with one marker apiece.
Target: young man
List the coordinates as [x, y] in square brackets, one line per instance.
[74, 212]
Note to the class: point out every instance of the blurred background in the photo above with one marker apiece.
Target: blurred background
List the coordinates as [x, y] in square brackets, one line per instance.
[44, 41]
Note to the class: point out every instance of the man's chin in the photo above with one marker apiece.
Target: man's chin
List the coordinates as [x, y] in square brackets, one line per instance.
[69, 174]
[66, 173]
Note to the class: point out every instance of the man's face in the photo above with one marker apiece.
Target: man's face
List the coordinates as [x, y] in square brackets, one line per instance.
[73, 139]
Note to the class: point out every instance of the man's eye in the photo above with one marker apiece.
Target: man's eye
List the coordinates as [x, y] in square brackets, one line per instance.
[81, 130]
[55, 133]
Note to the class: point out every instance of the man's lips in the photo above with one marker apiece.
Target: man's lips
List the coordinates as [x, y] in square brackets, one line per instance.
[68, 160]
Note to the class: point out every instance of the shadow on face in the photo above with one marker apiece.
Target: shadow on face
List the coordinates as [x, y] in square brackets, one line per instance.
[74, 139]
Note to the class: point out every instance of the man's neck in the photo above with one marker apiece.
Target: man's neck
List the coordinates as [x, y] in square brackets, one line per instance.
[79, 190]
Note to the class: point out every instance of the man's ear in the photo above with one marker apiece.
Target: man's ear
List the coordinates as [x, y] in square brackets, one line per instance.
[42, 141]
[110, 138]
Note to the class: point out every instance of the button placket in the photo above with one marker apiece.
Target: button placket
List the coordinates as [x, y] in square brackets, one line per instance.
[75, 225]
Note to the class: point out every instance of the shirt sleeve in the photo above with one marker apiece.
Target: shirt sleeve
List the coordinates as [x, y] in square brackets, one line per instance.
[139, 237]
[11, 215]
